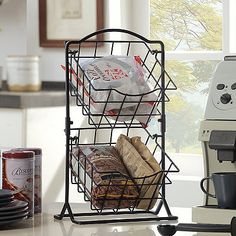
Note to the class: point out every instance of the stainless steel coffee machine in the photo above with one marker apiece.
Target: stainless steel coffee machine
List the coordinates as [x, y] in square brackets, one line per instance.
[218, 137]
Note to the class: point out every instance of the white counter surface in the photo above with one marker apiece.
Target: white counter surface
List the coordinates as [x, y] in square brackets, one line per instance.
[46, 225]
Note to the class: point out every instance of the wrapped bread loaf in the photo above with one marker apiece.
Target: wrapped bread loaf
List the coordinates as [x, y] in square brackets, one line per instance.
[143, 168]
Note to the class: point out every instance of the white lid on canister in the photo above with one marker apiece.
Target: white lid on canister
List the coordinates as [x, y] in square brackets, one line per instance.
[22, 58]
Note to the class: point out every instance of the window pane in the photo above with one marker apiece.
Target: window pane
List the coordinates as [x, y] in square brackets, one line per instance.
[232, 28]
[184, 113]
[187, 24]
[186, 108]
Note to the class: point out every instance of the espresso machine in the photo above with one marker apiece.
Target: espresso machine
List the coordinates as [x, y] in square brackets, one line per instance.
[218, 138]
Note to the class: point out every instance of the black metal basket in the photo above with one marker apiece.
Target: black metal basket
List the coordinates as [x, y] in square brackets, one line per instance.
[105, 124]
[83, 172]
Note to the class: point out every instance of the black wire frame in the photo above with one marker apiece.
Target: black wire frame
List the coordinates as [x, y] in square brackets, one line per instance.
[162, 85]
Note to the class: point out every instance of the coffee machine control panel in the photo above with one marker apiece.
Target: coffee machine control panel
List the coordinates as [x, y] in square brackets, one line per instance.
[222, 94]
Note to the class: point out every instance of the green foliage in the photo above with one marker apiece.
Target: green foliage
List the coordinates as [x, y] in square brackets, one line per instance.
[182, 129]
[203, 70]
[187, 24]
[182, 74]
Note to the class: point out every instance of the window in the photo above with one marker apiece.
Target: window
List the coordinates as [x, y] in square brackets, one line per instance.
[197, 35]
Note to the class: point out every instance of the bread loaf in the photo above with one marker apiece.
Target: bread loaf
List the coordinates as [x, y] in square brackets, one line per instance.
[143, 167]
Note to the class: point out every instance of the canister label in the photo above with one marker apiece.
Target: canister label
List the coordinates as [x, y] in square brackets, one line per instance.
[18, 175]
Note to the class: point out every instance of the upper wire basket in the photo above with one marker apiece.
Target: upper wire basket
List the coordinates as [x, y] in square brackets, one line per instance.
[113, 104]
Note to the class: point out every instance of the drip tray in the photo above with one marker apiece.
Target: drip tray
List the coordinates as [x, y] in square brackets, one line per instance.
[212, 214]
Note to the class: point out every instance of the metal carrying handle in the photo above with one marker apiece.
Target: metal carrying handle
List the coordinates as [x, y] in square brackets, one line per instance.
[125, 31]
[203, 189]
[110, 30]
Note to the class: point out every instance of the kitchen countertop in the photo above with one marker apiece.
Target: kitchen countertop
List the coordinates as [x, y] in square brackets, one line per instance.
[51, 95]
[46, 225]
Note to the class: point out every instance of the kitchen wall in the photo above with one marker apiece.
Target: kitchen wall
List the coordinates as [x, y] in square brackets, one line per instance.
[13, 36]
[20, 32]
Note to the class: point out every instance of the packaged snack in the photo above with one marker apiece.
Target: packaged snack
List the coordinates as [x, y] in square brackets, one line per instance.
[110, 184]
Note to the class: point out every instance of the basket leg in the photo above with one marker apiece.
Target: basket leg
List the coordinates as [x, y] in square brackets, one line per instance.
[159, 207]
[167, 207]
[62, 214]
[163, 202]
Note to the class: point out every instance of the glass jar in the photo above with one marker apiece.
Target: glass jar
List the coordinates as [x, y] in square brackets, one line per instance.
[23, 73]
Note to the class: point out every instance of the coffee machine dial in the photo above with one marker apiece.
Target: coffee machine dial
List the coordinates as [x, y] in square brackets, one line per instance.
[225, 98]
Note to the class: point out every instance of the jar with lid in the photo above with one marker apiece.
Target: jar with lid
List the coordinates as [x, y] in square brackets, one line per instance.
[23, 73]
[18, 175]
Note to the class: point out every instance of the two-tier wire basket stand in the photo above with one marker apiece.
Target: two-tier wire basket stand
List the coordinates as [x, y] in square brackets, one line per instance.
[102, 127]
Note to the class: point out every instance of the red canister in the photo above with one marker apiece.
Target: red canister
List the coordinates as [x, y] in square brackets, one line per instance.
[37, 177]
[18, 175]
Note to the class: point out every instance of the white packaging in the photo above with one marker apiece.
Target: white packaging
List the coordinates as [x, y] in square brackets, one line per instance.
[23, 73]
[119, 86]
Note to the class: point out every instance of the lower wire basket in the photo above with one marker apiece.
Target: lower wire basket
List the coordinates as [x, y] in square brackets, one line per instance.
[108, 187]
[115, 192]
[113, 189]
